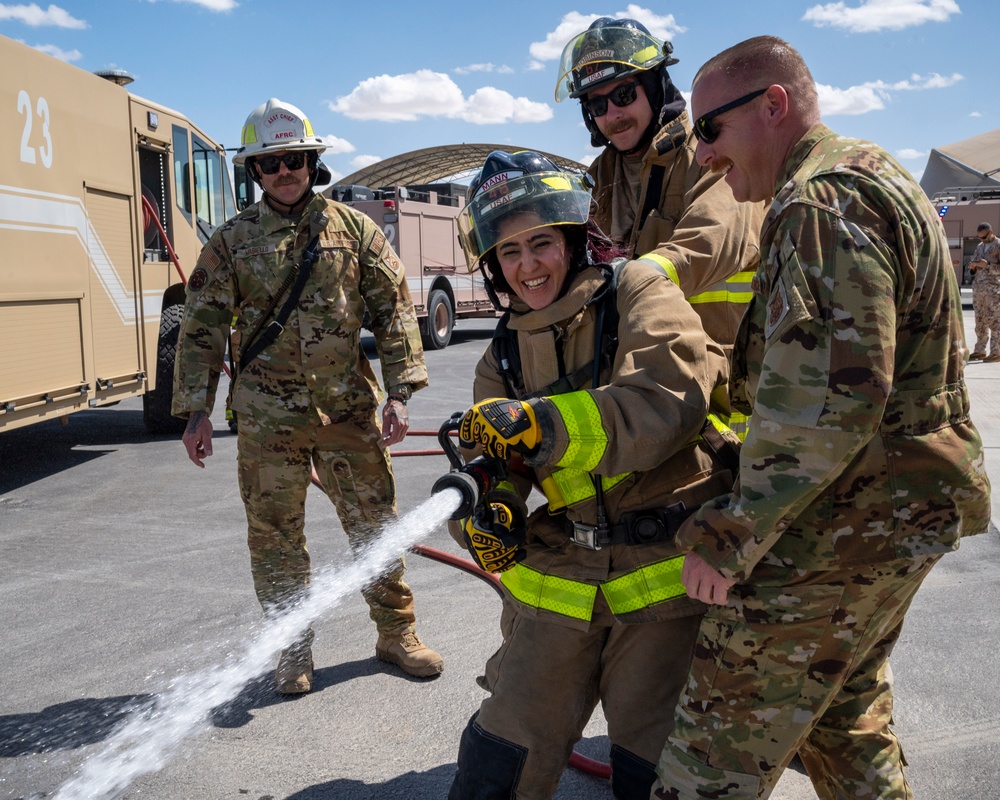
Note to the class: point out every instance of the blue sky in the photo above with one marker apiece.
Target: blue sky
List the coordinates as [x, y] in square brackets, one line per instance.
[384, 78]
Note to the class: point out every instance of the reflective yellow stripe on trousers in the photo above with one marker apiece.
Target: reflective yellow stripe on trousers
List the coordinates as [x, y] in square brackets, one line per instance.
[645, 586]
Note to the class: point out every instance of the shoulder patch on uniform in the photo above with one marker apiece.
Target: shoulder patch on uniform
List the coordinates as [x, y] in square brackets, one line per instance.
[198, 279]
[211, 259]
[377, 244]
[392, 261]
[777, 308]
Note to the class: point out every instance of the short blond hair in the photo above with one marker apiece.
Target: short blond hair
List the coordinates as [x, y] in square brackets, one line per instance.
[765, 60]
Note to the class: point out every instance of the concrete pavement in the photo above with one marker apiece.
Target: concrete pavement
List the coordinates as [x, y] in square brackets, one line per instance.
[124, 567]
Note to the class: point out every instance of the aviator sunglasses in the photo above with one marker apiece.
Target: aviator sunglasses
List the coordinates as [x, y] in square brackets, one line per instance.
[706, 130]
[621, 96]
[271, 164]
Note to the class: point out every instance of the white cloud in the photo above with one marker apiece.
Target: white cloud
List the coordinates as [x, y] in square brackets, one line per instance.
[35, 16]
[360, 162]
[405, 98]
[213, 5]
[573, 23]
[335, 145]
[489, 106]
[909, 152]
[503, 69]
[976, 114]
[873, 95]
[62, 55]
[878, 15]
[853, 100]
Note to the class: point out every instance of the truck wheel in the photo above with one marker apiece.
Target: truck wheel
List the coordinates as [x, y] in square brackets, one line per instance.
[156, 404]
[439, 322]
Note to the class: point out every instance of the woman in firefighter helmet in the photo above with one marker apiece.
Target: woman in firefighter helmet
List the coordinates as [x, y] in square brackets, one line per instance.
[522, 204]
[596, 391]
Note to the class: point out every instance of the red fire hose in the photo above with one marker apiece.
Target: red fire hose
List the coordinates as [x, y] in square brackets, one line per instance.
[579, 762]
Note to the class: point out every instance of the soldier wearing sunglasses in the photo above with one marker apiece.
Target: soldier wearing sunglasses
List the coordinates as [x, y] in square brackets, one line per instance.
[652, 197]
[861, 467]
[299, 272]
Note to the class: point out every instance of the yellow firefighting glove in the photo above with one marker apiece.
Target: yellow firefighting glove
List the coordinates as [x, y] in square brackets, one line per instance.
[501, 428]
[494, 536]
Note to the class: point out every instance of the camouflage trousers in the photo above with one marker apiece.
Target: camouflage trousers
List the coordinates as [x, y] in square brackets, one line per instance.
[275, 471]
[986, 309]
[798, 662]
[545, 682]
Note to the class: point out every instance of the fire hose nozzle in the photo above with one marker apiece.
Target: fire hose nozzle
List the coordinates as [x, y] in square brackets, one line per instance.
[472, 480]
[466, 487]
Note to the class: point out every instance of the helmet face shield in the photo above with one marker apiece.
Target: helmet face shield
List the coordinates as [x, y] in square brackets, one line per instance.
[512, 203]
[601, 55]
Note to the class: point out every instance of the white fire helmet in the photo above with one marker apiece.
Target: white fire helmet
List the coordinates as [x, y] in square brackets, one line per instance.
[276, 125]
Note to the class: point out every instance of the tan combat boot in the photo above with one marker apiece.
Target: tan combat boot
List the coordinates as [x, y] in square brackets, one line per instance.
[408, 652]
[294, 674]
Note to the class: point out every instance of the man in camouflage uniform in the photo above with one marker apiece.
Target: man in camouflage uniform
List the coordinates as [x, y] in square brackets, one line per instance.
[985, 268]
[651, 196]
[861, 467]
[308, 401]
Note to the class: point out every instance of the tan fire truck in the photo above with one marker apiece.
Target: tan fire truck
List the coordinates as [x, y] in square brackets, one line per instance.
[105, 202]
[421, 224]
[961, 210]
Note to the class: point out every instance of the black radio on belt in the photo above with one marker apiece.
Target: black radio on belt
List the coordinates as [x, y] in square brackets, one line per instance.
[634, 527]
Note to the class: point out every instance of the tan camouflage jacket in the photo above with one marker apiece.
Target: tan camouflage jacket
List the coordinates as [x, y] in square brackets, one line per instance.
[990, 253]
[316, 370]
[652, 405]
[697, 225]
[860, 448]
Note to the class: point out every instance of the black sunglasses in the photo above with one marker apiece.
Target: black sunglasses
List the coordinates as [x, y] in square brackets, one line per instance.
[706, 130]
[621, 96]
[271, 164]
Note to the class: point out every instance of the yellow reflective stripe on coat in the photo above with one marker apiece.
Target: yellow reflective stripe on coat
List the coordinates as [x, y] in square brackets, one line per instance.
[586, 438]
[663, 263]
[550, 592]
[739, 424]
[734, 289]
[567, 487]
[653, 583]
[645, 586]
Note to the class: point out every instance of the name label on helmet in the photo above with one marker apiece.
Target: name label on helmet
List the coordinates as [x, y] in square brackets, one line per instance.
[599, 75]
[284, 135]
[500, 177]
[281, 115]
[491, 207]
[599, 55]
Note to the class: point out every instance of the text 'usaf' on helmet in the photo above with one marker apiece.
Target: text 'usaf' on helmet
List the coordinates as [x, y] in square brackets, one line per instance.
[518, 192]
[276, 125]
[608, 50]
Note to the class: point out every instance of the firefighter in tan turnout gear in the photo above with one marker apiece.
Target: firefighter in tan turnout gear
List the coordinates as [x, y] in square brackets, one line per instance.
[299, 271]
[596, 390]
[652, 196]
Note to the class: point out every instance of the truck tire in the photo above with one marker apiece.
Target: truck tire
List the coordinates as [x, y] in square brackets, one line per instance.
[440, 321]
[156, 404]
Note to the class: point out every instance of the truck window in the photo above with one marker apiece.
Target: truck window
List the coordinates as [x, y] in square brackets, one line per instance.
[182, 175]
[209, 190]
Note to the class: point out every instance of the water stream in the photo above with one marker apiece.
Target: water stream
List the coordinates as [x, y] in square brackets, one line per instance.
[150, 735]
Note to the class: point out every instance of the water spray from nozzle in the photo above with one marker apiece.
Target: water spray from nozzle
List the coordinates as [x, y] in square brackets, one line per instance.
[473, 480]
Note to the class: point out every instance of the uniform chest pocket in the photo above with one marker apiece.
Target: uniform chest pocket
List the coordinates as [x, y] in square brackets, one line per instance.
[335, 280]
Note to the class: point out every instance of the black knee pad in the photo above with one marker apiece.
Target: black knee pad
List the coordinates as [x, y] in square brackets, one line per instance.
[488, 767]
[632, 777]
